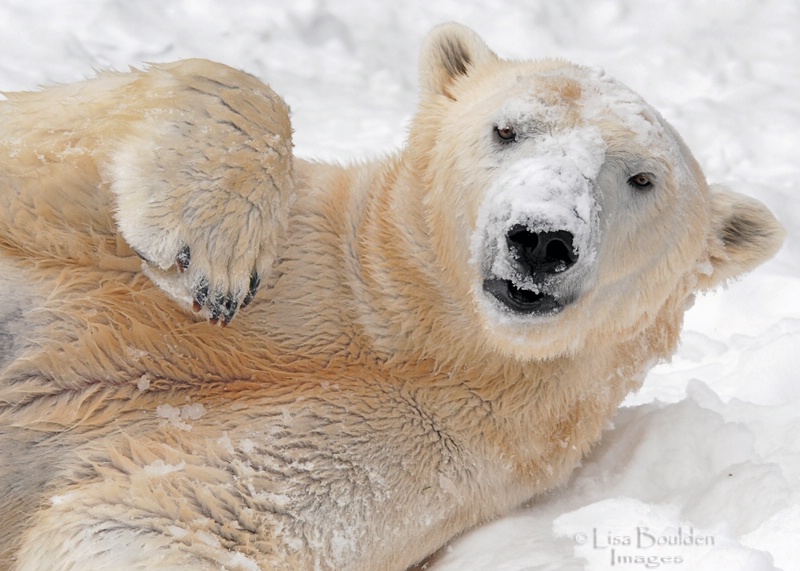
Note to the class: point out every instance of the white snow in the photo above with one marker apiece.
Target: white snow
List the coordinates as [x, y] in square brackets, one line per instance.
[226, 443]
[207, 538]
[711, 442]
[62, 499]
[143, 383]
[161, 468]
[177, 532]
[176, 416]
[192, 411]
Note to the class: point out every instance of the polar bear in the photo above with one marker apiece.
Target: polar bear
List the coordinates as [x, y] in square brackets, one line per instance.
[429, 339]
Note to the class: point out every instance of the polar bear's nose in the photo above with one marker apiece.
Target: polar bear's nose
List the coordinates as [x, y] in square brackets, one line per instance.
[540, 253]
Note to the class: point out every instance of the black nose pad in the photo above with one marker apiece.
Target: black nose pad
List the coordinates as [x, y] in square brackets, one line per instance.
[541, 252]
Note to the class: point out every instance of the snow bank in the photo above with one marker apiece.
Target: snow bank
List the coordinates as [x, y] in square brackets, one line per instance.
[697, 484]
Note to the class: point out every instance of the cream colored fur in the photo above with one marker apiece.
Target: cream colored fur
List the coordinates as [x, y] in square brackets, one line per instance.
[372, 402]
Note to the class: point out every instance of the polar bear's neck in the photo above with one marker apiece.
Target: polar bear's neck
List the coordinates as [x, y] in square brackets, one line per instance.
[376, 279]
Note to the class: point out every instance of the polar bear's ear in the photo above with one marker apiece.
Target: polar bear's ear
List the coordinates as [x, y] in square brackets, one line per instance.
[449, 52]
[744, 234]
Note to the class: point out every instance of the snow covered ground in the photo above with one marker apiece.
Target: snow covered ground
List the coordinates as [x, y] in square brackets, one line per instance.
[707, 454]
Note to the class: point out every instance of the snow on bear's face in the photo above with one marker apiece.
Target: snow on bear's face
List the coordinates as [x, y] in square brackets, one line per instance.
[569, 209]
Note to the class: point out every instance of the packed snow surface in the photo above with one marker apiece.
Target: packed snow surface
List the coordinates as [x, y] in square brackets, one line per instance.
[701, 468]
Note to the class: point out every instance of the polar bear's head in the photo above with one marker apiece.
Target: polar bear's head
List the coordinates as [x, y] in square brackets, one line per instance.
[565, 210]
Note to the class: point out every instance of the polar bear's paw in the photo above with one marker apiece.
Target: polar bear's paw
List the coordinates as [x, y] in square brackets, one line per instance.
[218, 279]
[203, 185]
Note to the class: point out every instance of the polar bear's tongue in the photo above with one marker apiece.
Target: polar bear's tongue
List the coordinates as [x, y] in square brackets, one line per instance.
[521, 301]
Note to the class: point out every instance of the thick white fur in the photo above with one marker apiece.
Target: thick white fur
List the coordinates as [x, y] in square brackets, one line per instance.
[372, 402]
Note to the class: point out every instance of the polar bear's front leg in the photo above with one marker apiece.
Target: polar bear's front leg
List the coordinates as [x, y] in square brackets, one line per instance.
[203, 183]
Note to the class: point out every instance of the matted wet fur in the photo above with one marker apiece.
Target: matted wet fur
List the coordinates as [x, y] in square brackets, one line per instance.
[402, 372]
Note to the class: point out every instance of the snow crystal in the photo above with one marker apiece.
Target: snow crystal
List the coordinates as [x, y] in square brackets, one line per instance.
[705, 268]
[192, 411]
[177, 532]
[62, 499]
[144, 383]
[176, 416]
[242, 562]
[161, 468]
[168, 411]
[136, 354]
[208, 538]
[226, 443]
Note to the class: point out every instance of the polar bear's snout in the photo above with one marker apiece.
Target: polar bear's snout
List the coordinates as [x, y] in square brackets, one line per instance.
[538, 259]
[536, 237]
[540, 254]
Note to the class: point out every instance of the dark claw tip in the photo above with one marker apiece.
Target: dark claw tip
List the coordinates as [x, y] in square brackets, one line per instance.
[200, 295]
[183, 259]
[252, 289]
[229, 308]
[215, 306]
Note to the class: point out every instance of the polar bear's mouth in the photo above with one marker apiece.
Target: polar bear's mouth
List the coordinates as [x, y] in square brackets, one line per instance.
[522, 301]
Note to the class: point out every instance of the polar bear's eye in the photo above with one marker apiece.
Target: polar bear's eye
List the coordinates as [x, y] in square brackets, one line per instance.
[641, 181]
[506, 134]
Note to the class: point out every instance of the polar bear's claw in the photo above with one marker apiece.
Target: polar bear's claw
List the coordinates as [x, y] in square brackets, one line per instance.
[183, 259]
[200, 295]
[221, 307]
[255, 282]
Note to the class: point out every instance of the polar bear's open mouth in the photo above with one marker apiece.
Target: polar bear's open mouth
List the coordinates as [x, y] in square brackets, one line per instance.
[522, 301]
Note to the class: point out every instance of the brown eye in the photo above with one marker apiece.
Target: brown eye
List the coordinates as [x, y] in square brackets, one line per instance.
[506, 134]
[641, 181]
